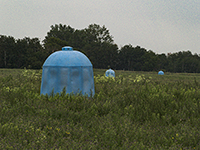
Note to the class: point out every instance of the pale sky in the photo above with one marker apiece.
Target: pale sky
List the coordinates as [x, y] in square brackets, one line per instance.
[162, 26]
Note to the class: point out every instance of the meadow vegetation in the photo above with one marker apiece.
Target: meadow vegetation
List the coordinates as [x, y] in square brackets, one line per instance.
[135, 110]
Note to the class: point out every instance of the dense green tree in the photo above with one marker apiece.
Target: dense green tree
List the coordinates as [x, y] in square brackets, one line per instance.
[21, 53]
[103, 56]
[94, 41]
[150, 61]
[29, 52]
[58, 36]
[97, 44]
[131, 58]
[162, 62]
[126, 57]
[96, 33]
[183, 61]
[7, 46]
[53, 44]
[36, 54]
[60, 31]
[79, 39]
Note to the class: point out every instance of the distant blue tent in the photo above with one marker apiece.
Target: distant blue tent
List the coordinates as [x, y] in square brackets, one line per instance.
[110, 73]
[160, 73]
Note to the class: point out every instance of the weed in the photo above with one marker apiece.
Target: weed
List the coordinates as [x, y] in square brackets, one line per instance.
[134, 110]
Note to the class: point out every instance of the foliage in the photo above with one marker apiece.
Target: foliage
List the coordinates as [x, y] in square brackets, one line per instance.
[7, 45]
[98, 45]
[21, 53]
[135, 110]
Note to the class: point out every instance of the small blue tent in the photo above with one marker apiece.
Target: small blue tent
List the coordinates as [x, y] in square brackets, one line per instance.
[70, 69]
[110, 73]
[160, 73]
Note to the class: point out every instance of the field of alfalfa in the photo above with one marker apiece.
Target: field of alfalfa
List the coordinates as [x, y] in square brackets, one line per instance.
[136, 110]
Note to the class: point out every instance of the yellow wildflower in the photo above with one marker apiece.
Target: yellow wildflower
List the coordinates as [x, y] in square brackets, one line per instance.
[67, 132]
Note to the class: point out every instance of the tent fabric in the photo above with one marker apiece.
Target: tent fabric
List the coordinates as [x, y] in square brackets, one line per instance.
[160, 73]
[68, 69]
[110, 73]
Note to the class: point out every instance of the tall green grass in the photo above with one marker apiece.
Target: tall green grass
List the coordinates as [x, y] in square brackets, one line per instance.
[136, 110]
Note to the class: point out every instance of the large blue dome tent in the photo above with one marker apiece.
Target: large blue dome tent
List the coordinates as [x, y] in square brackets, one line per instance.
[110, 73]
[68, 69]
[160, 73]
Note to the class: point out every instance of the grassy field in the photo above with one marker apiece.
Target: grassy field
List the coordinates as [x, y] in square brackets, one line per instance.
[136, 110]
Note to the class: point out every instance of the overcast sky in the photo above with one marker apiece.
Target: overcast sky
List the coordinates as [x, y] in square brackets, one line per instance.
[162, 26]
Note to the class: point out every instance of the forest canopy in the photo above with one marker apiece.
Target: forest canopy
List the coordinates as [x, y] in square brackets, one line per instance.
[98, 45]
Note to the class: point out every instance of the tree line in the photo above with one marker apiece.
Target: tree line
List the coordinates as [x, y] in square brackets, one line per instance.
[98, 45]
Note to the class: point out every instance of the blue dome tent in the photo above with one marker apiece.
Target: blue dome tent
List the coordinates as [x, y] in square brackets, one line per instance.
[110, 73]
[160, 73]
[68, 69]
